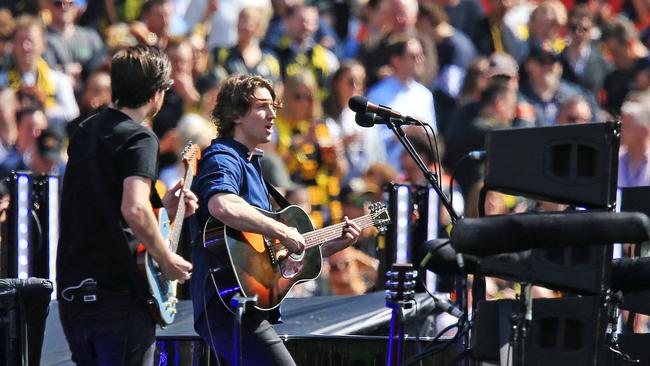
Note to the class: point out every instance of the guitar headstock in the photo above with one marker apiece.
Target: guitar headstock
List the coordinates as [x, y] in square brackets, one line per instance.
[190, 155]
[379, 214]
[400, 283]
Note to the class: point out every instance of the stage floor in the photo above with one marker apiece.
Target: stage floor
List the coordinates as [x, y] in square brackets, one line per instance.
[302, 318]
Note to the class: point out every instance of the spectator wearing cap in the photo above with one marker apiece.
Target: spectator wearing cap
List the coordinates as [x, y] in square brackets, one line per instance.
[73, 49]
[582, 61]
[32, 79]
[544, 88]
[501, 69]
[497, 110]
[622, 46]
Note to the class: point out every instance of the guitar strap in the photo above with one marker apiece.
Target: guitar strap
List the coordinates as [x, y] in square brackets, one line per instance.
[277, 196]
[123, 252]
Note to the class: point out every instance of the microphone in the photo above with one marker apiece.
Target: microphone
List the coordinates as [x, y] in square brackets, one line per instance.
[368, 119]
[362, 105]
[515, 233]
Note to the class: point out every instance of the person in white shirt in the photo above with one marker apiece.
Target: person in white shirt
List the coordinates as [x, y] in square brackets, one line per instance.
[402, 92]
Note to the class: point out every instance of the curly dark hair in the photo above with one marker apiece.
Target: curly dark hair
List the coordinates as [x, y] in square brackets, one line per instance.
[235, 99]
[137, 73]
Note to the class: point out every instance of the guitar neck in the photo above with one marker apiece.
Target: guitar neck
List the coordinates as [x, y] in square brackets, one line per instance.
[321, 236]
[177, 226]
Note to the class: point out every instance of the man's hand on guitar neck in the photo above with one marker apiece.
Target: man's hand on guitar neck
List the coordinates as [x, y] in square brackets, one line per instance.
[351, 232]
[138, 213]
[171, 200]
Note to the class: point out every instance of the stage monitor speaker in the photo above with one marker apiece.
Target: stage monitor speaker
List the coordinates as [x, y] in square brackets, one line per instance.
[566, 331]
[574, 164]
[584, 270]
[24, 305]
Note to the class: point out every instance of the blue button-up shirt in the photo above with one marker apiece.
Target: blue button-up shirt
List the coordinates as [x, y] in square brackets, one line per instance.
[224, 167]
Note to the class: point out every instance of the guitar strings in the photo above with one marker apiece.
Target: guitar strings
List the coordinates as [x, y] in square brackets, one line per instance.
[317, 237]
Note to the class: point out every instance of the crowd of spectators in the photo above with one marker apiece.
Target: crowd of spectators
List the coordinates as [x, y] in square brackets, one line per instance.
[463, 67]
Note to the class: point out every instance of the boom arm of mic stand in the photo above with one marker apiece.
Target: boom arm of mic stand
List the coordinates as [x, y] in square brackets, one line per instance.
[401, 136]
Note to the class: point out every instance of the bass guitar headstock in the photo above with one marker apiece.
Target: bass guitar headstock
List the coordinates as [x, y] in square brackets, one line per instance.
[190, 155]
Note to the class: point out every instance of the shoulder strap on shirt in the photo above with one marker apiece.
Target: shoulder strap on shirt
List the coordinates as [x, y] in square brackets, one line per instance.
[117, 232]
[277, 196]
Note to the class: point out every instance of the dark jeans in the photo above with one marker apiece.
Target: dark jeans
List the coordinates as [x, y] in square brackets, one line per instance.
[117, 329]
[261, 344]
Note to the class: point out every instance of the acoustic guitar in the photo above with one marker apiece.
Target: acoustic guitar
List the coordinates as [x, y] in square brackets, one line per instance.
[256, 265]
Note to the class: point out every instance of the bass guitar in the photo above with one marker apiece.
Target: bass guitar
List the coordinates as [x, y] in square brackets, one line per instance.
[256, 265]
[162, 301]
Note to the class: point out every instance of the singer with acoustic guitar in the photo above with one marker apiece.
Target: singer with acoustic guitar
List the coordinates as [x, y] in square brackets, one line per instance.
[231, 191]
[106, 213]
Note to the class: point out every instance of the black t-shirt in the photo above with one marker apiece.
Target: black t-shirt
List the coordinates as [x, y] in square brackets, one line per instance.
[86, 246]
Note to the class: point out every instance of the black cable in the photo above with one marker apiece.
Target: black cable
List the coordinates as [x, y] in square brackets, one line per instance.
[436, 348]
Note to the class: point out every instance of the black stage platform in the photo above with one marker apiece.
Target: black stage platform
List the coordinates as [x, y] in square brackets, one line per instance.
[325, 330]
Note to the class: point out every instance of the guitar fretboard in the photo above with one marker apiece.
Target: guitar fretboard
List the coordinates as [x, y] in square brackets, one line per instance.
[175, 234]
[319, 237]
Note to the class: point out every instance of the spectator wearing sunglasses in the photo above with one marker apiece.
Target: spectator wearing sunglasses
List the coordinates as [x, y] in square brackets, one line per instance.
[544, 88]
[582, 61]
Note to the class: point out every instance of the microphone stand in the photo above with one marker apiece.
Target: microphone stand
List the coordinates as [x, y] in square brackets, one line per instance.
[461, 287]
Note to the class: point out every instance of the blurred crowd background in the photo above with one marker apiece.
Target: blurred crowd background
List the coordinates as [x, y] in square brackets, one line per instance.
[462, 66]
